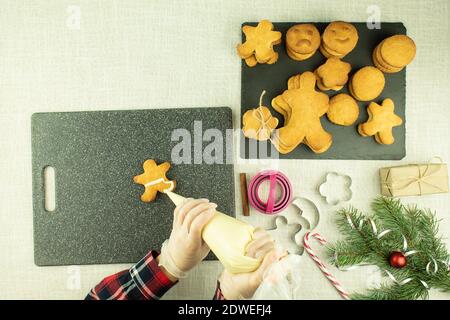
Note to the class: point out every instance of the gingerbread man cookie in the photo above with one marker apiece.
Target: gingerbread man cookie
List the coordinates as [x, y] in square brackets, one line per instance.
[259, 42]
[154, 179]
[258, 123]
[302, 106]
[381, 121]
[333, 74]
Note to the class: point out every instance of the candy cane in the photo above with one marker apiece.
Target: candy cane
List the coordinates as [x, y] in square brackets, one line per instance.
[320, 264]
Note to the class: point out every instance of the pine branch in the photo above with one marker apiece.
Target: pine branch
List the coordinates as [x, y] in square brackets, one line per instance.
[409, 291]
[342, 255]
[363, 245]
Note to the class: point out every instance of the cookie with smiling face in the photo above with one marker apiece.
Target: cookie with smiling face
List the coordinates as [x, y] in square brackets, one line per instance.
[302, 41]
[338, 39]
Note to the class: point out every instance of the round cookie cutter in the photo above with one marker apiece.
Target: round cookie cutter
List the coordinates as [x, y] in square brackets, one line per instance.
[332, 192]
[273, 205]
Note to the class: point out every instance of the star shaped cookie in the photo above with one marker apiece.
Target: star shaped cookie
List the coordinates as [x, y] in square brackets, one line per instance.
[154, 179]
[381, 121]
[333, 74]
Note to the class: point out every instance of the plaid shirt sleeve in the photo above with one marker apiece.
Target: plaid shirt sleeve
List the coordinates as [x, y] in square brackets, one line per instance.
[143, 281]
[218, 294]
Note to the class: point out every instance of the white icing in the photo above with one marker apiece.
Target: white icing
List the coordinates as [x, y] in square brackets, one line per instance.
[161, 180]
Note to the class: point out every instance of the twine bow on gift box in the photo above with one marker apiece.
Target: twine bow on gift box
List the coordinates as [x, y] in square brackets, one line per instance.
[421, 179]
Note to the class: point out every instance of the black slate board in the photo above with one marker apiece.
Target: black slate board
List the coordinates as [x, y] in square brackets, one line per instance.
[347, 143]
[99, 217]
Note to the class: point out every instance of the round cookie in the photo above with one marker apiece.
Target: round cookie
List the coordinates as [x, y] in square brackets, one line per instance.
[343, 110]
[339, 37]
[382, 65]
[367, 84]
[383, 69]
[331, 51]
[398, 51]
[328, 54]
[303, 38]
[298, 56]
[324, 52]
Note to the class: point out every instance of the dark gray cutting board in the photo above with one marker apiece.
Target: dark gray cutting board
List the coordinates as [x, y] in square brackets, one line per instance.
[347, 143]
[99, 217]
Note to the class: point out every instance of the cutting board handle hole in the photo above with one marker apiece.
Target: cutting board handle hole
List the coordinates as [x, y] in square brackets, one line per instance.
[49, 189]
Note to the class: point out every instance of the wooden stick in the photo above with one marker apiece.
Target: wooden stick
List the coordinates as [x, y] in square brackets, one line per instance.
[244, 195]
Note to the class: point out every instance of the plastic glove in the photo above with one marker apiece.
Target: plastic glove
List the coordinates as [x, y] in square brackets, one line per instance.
[185, 248]
[244, 285]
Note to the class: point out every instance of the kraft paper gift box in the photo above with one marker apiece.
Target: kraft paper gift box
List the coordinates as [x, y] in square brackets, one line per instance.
[414, 179]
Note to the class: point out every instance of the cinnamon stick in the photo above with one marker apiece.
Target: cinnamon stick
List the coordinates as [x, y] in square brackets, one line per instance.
[244, 195]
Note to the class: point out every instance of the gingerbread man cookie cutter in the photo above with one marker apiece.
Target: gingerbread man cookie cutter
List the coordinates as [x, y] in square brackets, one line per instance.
[289, 230]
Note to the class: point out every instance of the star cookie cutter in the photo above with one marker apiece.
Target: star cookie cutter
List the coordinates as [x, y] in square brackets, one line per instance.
[336, 188]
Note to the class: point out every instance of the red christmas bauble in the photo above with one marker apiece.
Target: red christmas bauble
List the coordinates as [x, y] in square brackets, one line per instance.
[397, 260]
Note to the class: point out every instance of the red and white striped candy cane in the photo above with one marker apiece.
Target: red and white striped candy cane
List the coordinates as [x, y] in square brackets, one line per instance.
[344, 294]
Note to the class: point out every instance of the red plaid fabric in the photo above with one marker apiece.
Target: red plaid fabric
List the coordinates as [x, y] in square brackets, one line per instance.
[143, 281]
[218, 294]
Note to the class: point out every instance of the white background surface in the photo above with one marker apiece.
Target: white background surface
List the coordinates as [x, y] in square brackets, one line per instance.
[140, 54]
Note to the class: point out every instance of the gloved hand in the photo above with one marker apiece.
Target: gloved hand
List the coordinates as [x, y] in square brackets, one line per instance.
[244, 285]
[185, 248]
